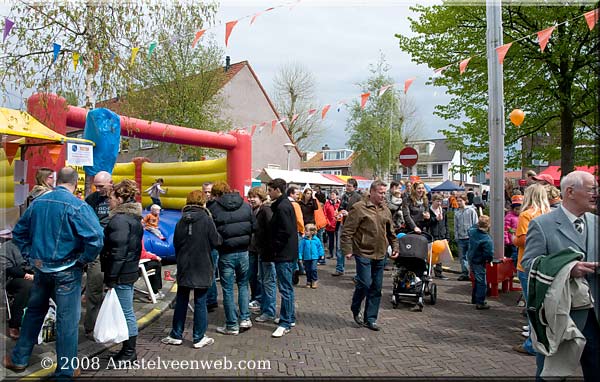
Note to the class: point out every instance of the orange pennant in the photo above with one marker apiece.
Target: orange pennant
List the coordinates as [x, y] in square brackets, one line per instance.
[407, 84]
[198, 35]
[254, 17]
[324, 111]
[228, 28]
[591, 18]
[253, 130]
[363, 99]
[294, 117]
[54, 151]
[463, 65]
[544, 36]
[502, 50]
[273, 124]
[439, 70]
[10, 149]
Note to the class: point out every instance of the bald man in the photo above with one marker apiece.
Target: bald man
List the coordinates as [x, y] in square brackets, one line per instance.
[98, 200]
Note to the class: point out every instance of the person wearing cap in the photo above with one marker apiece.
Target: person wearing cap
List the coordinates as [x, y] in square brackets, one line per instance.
[544, 179]
[151, 220]
[17, 280]
[511, 220]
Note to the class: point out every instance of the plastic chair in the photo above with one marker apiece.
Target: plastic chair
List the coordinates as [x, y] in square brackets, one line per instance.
[145, 274]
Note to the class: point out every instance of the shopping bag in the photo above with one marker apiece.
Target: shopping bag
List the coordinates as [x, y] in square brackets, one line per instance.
[48, 331]
[111, 326]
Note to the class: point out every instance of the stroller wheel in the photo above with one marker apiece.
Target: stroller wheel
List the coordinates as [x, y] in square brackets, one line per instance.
[433, 294]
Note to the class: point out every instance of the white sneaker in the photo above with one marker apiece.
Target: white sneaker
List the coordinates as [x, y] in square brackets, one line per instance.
[254, 305]
[525, 328]
[227, 332]
[525, 334]
[171, 341]
[264, 318]
[160, 295]
[245, 324]
[280, 332]
[277, 322]
[205, 341]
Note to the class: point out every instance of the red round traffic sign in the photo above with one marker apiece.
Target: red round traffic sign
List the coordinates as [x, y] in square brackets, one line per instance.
[408, 157]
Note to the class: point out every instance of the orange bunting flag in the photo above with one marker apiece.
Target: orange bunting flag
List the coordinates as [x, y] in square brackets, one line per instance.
[407, 84]
[591, 18]
[544, 36]
[383, 89]
[439, 70]
[311, 112]
[134, 52]
[10, 149]
[363, 99]
[324, 111]
[198, 35]
[294, 117]
[502, 50]
[228, 28]
[75, 60]
[253, 129]
[463, 65]
[254, 17]
[54, 151]
[273, 124]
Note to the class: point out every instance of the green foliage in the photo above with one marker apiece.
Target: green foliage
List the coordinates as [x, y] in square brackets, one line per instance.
[557, 89]
[379, 131]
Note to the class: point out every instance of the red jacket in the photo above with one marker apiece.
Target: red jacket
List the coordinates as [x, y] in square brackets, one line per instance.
[147, 255]
[331, 211]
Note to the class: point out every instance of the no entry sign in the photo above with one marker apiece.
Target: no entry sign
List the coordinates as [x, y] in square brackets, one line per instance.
[408, 157]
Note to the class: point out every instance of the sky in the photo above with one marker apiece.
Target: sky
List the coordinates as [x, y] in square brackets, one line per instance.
[336, 41]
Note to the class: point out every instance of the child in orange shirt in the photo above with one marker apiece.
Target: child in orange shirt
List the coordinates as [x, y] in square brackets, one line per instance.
[151, 220]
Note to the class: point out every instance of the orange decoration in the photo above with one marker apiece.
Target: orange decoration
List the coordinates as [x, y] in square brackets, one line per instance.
[517, 117]
[10, 149]
[54, 151]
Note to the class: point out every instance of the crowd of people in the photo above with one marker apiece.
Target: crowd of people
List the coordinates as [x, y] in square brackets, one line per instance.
[266, 244]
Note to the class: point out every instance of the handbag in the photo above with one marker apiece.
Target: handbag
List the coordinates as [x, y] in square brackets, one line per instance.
[320, 219]
[111, 326]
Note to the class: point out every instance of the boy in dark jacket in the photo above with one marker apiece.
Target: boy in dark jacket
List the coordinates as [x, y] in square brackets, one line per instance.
[481, 251]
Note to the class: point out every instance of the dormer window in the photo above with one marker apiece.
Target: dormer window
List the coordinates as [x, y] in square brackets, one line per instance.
[336, 154]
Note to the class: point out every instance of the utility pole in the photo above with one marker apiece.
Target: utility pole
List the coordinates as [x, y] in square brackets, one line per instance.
[496, 124]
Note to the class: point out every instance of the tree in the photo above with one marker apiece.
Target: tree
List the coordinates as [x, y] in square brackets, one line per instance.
[295, 94]
[379, 131]
[556, 88]
[101, 33]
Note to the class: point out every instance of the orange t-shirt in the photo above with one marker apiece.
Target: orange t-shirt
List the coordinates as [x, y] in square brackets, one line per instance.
[524, 218]
[151, 221]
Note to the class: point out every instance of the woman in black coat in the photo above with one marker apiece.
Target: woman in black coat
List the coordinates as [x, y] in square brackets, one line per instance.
[120, 256]
[194, 237]
[415, 208]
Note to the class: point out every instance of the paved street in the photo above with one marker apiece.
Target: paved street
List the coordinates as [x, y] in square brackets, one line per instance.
[448, 339]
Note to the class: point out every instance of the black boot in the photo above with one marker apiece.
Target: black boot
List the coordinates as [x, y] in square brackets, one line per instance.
[128, 353]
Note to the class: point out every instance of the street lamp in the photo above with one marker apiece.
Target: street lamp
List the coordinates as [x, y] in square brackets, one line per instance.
[288, 146]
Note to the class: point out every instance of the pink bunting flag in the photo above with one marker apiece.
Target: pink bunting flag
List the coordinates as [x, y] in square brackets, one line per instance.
[363, 99]
[273, 124]
[198, 35]
[324, 111]
[294, 117]
[282, 120]
[439, 70]
[228, 28]
[263, 124]
[502, 50]
[8, 24]
[383, 89]
[591, 18]
[311, 112]
[544, 36]
[407, 84]
[253, 129]
[463, 65]
[254, 17]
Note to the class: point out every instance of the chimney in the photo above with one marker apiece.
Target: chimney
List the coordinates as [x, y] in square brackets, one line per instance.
[326, 147]
[227, 63]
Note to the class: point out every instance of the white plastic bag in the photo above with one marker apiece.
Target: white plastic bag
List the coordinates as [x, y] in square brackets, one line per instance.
[111, 326]
[48, 331]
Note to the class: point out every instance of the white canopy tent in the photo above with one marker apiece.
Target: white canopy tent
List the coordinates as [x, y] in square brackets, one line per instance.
[297, 177]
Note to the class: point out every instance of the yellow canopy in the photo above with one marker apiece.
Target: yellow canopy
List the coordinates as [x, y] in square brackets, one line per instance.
[22, 124]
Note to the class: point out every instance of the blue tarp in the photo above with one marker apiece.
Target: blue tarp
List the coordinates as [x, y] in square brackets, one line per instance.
[447, 186]
[103, 127]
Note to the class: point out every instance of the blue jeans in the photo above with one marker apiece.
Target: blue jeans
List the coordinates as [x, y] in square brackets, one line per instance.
[125, 294]
[311, 270]
[269, 291]
[369, 277]
[254, 277]
[527, 345]
[156, 201]
[200, 313]
[64, 287]
[233, 268]
[286, 290]
[480, 286]
[463, 248]
[213, 294]
[340, 260]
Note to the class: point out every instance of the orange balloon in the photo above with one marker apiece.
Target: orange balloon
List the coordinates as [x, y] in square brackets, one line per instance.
[438, 247]
[517, 116]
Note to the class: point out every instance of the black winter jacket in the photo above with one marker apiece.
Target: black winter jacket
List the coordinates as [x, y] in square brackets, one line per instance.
[308, 210]
[283, 235]
[260, 237]
[235, 222]
[120, 255]
[194, 237]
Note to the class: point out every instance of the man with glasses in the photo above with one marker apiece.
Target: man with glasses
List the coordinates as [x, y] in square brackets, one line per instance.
[94, 284]
[574, 226]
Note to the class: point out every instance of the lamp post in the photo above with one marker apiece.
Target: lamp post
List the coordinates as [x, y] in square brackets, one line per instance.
[288, 146]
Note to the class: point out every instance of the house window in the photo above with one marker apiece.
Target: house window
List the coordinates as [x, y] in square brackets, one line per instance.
[423, 148]
[437, 169]
[422, 170]
[331, 172]
[124, 144]
[147, 144]
[336, 154]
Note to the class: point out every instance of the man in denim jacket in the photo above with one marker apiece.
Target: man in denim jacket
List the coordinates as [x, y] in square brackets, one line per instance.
[58, 234]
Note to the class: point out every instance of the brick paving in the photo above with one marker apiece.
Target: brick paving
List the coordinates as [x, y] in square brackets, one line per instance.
[449, 339]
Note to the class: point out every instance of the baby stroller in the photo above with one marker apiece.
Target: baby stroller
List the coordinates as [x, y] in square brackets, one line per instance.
[412, 272]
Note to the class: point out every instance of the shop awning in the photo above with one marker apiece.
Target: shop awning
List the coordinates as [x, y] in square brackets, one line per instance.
[19, 123]
[298, 177]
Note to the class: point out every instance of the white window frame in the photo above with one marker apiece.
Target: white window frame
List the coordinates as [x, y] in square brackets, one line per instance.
[433, 168]
[424, 173]
[147, 144]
